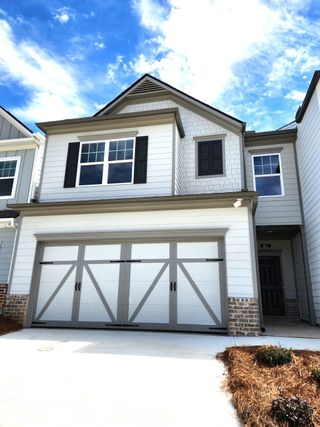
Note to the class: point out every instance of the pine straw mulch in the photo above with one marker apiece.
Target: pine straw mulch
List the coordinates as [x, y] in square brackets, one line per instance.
[255, 386]
[7, 326]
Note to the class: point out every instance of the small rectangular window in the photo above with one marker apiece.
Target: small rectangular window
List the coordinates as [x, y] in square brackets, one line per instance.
[8, 176]
[120, 161]
[210, 158]
[267, 174]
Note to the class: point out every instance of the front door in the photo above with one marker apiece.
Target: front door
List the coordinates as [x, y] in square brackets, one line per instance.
[271, 285]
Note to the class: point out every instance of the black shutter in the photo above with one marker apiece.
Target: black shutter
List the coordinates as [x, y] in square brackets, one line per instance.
[210, 161]
[141, 160]
[71, 165]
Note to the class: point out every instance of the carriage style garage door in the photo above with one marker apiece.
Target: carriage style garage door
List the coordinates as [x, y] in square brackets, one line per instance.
[177, 285]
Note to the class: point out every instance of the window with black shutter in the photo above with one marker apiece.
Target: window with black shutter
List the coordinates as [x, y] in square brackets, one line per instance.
[210, 158]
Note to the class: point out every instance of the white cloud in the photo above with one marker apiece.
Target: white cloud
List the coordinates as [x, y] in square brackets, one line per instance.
[195, 46]
[62, 15]
[99, 45]
[295, 95]
[199, 46]
[53, 89]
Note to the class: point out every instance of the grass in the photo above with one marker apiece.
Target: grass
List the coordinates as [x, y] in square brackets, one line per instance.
[254, 386]
[7, 326]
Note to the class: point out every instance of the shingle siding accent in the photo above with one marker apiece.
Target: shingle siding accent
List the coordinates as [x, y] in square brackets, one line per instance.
[195, 126]
[243, 316]
[15, 308]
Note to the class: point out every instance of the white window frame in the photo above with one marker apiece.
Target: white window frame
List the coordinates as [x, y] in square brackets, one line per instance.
[268, 175]
[105, 162]
[15, 177]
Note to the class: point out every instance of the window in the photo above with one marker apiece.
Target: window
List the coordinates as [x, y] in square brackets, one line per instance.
[9, 169]
[115, 167]
[210, 158]
[267, 174]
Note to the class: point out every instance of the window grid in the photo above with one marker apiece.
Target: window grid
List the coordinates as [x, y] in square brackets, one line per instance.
[8, 168]
[120, 148]
[267, 165]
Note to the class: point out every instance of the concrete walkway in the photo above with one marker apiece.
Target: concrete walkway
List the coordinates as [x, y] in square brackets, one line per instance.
[81, 378]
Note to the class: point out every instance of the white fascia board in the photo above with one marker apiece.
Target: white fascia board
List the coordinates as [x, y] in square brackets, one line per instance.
[7, 223]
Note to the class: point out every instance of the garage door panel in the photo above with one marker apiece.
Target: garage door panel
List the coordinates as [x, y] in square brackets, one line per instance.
[58, 253]
[149, 293]
[95, 306]
[197, 250]
[150, 251]
[102, 252]
[194, 305]
[56, 304]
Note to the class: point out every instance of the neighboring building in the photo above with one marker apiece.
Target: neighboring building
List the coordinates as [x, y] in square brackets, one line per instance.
[147, 218]
[21, 153]
[308, 155]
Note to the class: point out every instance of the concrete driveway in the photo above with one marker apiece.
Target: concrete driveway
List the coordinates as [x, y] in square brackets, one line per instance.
[116, 378]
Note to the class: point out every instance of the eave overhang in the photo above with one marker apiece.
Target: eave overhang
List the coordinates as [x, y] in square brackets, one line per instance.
[270, 137]
[128, 120]
[199, 201]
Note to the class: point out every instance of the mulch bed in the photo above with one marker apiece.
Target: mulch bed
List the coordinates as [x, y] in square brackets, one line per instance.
[7, 326]
[254, 386]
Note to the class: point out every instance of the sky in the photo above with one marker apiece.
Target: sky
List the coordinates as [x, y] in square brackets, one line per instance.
[252, 59]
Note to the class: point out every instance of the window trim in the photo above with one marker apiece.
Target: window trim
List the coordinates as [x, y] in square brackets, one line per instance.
[209, 138]
[106, 162]
[15, 177]
[268, 175]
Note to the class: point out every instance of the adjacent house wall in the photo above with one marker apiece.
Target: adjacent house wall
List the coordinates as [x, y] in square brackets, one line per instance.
[308, 155]
[194, 126]
[24, 177]
[278, 210]
[8, 131]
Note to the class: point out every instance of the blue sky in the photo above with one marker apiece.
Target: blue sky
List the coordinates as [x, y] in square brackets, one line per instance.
[252, 59]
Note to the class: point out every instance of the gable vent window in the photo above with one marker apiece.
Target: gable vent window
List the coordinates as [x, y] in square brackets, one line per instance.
[267, 174]
[210, 158]
[9, 169]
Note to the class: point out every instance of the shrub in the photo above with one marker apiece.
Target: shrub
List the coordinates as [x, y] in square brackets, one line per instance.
[293, 411]
[316, 374]
[273, 355]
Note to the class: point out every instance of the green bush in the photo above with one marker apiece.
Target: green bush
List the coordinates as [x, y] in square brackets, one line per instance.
[293, 411]
[274, 356]
[316, 374]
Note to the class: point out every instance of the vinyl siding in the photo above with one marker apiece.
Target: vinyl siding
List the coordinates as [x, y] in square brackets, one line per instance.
[300, 278]
[281, 210]
[308, 153]
[239, 263]
[24, 176]
[7, 237]
[8, 131]
[159, 169]
[195, 126]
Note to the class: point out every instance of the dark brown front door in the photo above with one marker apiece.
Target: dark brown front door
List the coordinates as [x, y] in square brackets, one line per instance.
[271, 285]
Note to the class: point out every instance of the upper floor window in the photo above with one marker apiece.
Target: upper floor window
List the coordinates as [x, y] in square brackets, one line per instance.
[9, 169]
[210, 158]
[267, 174]
[107, 162]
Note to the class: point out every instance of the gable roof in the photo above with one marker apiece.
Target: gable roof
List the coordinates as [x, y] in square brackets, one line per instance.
[148, 84]
[302, 109]
[15, 122]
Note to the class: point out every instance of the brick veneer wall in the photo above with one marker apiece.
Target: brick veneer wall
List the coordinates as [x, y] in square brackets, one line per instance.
[3, 294]
[244, 316]
[15, 308]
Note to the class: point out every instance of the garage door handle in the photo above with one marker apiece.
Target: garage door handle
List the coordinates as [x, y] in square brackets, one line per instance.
[171, 286]
[76, 286]
[175, 286]
[79, 286]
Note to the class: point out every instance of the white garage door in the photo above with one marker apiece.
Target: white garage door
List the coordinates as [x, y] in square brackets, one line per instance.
[151, 285]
